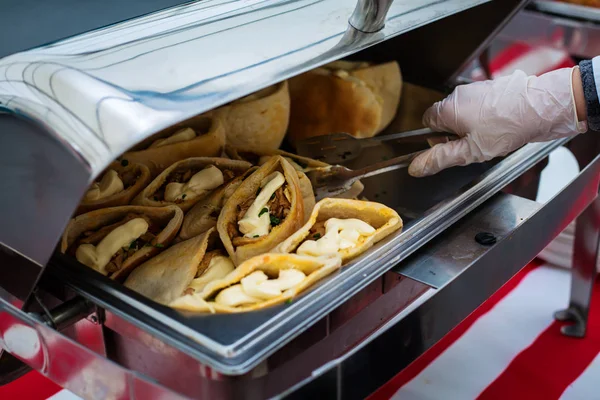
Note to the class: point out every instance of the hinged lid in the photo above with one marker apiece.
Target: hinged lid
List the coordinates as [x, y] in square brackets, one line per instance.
[89, 98]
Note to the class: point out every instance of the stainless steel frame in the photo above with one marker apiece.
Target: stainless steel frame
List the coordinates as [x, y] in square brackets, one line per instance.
[87, 99]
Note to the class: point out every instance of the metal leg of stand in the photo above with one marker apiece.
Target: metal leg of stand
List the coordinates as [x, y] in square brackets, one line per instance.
[583, 274]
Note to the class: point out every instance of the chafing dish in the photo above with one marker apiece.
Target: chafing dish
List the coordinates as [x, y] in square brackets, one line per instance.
[73, 106]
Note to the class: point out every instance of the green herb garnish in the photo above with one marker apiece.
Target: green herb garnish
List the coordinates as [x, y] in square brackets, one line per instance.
[132, 245]
[317, 236]
[272, 196]
[288, 301]
[183, 196]
[159, 245]
[124, 162]
[255, 236]
[264, 210]
[274, 220]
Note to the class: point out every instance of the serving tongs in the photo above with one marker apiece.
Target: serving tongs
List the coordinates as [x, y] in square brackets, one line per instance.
[338, 148]
[336, 179]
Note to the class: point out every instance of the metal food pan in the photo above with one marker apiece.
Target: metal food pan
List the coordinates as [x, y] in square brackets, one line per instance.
[234, 344]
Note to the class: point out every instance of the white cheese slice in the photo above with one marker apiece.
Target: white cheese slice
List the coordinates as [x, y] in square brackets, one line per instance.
[109, 184]
[97, 257]
[256, 221]
[218, 268]
[340, 234]
[203, 181]
[182, 135]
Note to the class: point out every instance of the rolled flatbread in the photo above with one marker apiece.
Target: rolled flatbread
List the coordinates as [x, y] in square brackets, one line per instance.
[201, 136]
[115, 240]
[342, 227]
[265, 209]
[188, 181]
[260, 282]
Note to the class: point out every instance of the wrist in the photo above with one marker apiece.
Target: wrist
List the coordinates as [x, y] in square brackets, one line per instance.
[578, 95]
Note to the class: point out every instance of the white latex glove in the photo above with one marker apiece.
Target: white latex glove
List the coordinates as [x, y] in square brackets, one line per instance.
[496, 117]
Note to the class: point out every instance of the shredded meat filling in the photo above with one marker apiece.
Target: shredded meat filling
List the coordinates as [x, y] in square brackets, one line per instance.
[279, 208]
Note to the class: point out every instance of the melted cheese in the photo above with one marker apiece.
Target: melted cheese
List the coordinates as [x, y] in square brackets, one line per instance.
[218, 268]
[109, 184]
[97, 257]
[258, 284]
[257, 287]
[235, 296]
[254, 224]
[208, 179]
[340, 234]
[182, 135]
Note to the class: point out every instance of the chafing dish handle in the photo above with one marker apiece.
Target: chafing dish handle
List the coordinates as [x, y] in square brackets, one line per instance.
[369, 15]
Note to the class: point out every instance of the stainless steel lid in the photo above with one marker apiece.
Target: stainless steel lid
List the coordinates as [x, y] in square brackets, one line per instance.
[83, 101]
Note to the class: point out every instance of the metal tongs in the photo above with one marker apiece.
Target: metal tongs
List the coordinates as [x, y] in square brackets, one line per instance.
[336, 179]
[338, 148]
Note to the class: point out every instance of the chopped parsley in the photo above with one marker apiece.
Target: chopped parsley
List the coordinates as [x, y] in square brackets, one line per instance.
[147, 244]
[255, 236]
[124, 162]
[159, 245]
[272, 196]
[183, 196]
[274, 220]
[317, 236]
[132, 245]
[288, 301]
[264, 210]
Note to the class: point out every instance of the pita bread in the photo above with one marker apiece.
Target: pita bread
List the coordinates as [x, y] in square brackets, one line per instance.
[209, 142]
[169, 218]
[314, 268]
[228, 219]
[382, 218]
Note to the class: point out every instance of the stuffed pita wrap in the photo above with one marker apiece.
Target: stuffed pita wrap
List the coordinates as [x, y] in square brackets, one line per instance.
[185, 268]
[342, 227]
[344, 96]
[188, 181]
[204, 214]
[201, 136]
[260, 282]
[115, 240]
[258, 121]
[117, 186]
[301, 164]
[263, 211]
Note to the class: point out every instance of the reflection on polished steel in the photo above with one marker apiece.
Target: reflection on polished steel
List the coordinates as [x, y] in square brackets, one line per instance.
[369, 15]
[103, 92]
[88, 374]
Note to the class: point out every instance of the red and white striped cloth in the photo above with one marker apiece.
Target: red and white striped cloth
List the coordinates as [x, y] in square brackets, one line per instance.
[509, 348]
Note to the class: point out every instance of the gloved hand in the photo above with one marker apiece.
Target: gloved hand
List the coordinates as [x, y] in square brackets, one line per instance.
[496, 117]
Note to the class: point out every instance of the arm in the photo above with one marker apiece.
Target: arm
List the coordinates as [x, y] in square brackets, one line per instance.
[496, 117]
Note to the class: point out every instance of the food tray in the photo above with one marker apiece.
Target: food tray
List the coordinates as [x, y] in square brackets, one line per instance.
[233, 344]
